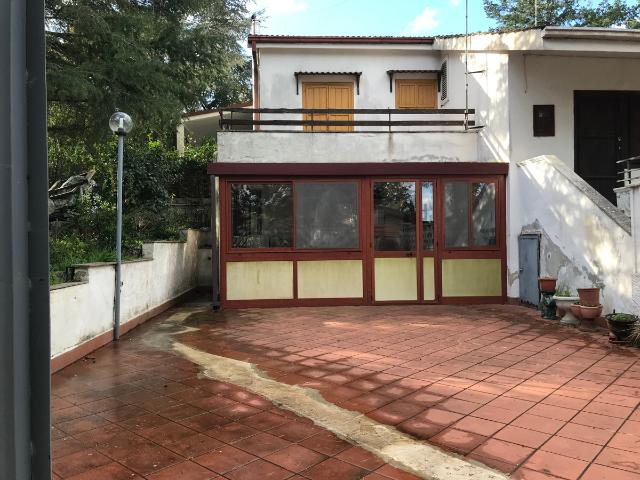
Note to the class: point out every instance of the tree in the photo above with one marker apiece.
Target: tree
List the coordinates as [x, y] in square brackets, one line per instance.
[513, 14]
[150, 58]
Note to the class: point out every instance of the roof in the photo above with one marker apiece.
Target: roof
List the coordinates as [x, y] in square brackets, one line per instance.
[496, 32]
[195, 113]
[354, 40]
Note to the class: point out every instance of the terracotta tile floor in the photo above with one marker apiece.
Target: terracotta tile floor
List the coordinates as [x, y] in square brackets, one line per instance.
[494, 383]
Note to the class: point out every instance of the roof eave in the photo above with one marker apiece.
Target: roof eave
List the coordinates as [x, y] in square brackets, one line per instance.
[310, 39]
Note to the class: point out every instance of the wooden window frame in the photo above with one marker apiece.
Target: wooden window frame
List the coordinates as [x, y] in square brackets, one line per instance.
[470, 181]
[230, 249]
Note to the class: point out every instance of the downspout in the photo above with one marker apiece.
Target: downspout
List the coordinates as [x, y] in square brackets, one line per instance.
[256, 82]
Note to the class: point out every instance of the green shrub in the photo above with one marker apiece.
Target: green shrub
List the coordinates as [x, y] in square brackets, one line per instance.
[154, 174]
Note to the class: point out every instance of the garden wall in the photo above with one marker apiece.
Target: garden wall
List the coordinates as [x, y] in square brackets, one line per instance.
[82, 311]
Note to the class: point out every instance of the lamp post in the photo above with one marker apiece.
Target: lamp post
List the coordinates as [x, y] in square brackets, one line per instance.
[120, 123]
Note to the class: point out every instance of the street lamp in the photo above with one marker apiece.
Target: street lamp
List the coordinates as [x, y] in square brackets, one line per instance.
[120, 123]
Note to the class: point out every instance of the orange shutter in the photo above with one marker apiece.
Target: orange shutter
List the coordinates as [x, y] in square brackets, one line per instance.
[419, 93]
[328, 95]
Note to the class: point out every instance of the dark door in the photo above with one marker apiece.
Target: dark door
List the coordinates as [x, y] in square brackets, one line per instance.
[607, 128]
[529, 271]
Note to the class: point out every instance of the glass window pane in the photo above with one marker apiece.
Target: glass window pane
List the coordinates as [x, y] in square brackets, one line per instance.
[261, 215]
[484, 214]
[327, 215]
[394, 206]
[427, 216]
[456, 214]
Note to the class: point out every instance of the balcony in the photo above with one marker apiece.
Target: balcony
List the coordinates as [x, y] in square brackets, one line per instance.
[347, 135]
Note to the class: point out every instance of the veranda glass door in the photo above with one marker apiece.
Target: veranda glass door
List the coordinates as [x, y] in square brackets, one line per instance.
[404, 264]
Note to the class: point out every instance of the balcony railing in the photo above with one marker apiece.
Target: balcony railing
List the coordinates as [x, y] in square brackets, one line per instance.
[629, 171]
[383, 118]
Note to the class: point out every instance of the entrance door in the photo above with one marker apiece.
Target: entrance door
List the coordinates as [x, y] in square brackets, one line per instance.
[607, 126]
[327, 95]
[403, 241]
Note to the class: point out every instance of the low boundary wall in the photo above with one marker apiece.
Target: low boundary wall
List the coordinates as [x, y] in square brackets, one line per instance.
[82, 311]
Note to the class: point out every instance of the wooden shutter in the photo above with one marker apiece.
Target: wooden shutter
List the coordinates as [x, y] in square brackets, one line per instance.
[327, 95]
[418, 93]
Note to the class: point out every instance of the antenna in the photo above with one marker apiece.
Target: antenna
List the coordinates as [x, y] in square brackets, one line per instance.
[466, 65]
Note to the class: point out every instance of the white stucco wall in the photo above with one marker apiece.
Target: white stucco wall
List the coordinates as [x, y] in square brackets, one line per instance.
[585, 240]
[82, 311]
[551, 79]
[299, 147]
[278, 84]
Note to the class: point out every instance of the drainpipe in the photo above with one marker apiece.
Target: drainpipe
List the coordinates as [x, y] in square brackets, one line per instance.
[256, 82]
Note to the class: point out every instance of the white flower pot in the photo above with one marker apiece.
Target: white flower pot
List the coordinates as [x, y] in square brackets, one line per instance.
[564, 304]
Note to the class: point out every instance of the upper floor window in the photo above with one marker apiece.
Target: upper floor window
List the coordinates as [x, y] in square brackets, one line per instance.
[416, 93]
[324, 95]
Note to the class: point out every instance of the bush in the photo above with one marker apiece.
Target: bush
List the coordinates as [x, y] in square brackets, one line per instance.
[153, 175]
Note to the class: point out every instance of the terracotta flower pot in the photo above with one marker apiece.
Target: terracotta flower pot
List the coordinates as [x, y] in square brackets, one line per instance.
[576, 310]
[547, 284]
[589, 297]
[590, 312]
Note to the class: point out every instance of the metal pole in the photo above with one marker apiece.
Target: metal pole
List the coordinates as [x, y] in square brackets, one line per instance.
[24, 278]
[116, 307]
[466, 65]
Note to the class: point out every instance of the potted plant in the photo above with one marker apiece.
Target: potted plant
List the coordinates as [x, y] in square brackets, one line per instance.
[621, 325]
[547, 284]
[589, 297]
[564, 300]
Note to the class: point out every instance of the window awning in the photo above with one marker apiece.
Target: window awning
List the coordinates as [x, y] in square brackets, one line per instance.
[349, 74]
[391, 73]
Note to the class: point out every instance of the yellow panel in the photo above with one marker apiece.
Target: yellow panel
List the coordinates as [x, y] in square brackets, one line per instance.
[472, 277]
[259, 280]
[330, 279]
[395, 279]
[429, 285]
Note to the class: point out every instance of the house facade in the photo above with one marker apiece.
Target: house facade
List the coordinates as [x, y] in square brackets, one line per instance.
[428, 170]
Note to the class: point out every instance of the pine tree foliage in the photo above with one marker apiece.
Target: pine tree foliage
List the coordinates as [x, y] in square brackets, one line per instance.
[514, 14]
[150, 58]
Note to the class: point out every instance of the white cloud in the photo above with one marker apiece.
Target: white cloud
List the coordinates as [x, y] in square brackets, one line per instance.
[454, 3]
[281, 6]
[424, 22]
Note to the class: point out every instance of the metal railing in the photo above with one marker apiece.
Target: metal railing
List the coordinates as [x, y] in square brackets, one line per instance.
[310, 118]
[628, 171]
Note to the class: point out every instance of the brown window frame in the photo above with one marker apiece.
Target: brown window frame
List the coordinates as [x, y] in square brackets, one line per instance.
[228, 218]
[498, 185]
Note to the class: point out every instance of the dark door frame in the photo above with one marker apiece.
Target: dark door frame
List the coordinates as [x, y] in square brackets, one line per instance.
[623, 128]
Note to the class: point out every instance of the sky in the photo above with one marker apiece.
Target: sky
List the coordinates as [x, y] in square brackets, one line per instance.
[369, 17]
